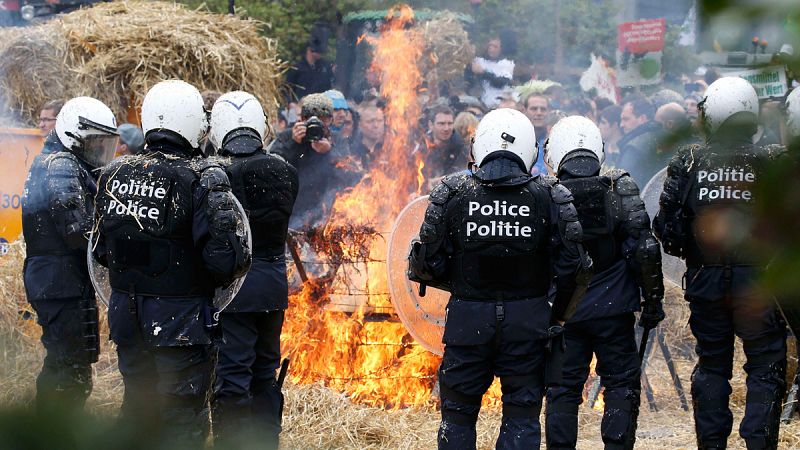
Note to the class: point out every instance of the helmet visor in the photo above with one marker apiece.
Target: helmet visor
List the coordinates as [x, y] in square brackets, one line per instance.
[99, 149]
[100, 143]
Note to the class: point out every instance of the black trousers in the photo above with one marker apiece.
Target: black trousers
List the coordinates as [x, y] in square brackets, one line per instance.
[247, 398]
[756, 322]
[465, 375]
[612, 339]
[166, 362]
[70, 338]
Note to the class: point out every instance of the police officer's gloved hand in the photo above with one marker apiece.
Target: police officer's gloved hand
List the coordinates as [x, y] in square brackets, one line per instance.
[223, 216]
[652, 313]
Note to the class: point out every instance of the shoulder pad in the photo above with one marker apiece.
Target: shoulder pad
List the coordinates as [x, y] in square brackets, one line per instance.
[625, 185]
[214, 178]
[615, 174]
[446, 189]
[560, 194]
[774, 151]
[546, 180]
[63, 164]
[456, 180]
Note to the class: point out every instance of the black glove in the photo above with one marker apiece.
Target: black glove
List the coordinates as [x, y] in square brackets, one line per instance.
[556, 352]
[652, 313]
[222, 215]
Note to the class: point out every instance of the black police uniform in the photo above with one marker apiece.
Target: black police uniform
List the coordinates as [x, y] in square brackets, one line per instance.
[57, 206]
[704, 209]
[495, 239]
[167, 234]
[246, 394]
[627, 259]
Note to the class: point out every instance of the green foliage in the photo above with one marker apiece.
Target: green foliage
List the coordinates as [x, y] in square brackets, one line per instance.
[586, 25]
[677, 60]
[288, 21]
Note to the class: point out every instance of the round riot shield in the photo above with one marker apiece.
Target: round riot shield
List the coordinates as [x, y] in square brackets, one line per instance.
[423, 317]
[97, 272]
[222, 295]
[673, 267]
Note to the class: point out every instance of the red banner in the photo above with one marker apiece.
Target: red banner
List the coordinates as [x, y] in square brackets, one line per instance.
[9, 5]
[642, 37]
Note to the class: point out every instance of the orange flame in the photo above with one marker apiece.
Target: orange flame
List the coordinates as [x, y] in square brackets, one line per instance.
[420, 176]
[330, 332]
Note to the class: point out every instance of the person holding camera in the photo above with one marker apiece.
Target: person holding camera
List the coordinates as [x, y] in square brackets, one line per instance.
[307, 147]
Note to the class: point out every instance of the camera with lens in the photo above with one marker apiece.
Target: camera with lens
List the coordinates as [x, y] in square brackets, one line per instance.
[315, 129]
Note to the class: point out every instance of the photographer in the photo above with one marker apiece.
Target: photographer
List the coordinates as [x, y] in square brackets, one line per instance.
[307, 147]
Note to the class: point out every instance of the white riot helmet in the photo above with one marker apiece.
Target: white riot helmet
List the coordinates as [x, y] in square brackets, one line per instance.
[570, 134]
[508, 130]
[793, 113]
[233, 111]
[724, 98]
[176, 106]
[88, 128]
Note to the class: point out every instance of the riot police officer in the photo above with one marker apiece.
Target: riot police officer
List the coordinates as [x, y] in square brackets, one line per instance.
[57, 207]
[168, 234]
[704, 213]
[627, 263]
[495, 238]
[247, 396]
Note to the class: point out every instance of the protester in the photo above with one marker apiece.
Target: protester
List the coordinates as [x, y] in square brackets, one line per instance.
[639, 152]
[465, 125]
[491, 74]
[535, 106]
[307, 146]
[48, 114]
[445, 151]
[498, 316]
[311, 74]
[611, 133]
[131, 140]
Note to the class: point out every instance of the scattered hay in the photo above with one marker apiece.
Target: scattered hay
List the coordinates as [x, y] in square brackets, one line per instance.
[317, 417]
[117, 51]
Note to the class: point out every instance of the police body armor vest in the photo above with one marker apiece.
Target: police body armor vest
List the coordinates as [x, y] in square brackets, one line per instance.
[266, 186]
[502, 237]
[595, 200]
[720, 190]
[39, 228]
[146, 210]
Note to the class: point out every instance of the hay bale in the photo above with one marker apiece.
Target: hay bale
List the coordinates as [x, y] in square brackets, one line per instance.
[447, 49]
[117, 51]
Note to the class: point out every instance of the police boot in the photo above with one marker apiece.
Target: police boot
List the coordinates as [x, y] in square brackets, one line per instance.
[561, 425]
[231, 423]
[267, 411]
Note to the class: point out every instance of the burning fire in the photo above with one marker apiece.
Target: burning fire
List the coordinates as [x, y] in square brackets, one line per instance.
[331, 333]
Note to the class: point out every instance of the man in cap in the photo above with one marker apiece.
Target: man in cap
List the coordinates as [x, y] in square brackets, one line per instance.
[131, 139]
[311, 74]
[307, 147]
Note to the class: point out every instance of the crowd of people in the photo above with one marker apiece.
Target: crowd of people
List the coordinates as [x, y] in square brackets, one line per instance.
[539, 285]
